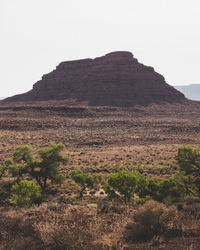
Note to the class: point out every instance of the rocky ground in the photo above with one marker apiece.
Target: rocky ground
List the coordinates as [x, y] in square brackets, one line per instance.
[102, 133]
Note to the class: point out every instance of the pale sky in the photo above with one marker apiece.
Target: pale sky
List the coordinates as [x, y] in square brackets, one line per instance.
[36, 35]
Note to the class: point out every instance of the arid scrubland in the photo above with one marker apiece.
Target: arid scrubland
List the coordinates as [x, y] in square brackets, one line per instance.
[100, 141]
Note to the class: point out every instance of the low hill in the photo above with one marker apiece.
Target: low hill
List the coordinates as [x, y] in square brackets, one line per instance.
[116, 79]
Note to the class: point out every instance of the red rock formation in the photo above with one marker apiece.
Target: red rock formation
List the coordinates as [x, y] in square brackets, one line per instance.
[115, 79]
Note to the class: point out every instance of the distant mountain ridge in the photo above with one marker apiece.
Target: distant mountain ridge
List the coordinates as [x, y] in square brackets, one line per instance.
[191, 91]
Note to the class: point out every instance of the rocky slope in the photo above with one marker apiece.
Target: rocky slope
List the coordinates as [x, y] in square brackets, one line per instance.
[191, 91]
[116, 79]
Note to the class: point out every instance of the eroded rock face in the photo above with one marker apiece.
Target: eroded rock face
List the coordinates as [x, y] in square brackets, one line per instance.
[116, 79]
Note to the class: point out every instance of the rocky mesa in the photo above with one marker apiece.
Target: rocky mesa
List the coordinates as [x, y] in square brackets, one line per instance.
[116, 79]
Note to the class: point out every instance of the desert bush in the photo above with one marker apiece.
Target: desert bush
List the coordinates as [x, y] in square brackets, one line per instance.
[151, 219]
[126, 183]
[105, 206]
[16, 225]
[192, 211]
[71, 229]
[154, 188]
[169, 189]
[80, 227]
[25, 193]
[172, 189]
[16, 232]
[22, 243]
[85, 180]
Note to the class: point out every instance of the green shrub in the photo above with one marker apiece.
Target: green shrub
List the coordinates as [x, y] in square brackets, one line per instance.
[25, 193]
[19, 163]
[188, 160]
[126, 183]
[85, 180]
[2, 171]
[143, 200]
[172, 189]
[154, 188]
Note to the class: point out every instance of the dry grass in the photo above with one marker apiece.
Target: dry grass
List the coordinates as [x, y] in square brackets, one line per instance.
[151, 220]
[60, 226]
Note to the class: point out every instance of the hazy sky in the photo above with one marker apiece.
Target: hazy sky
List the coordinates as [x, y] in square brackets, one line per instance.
[36, 35]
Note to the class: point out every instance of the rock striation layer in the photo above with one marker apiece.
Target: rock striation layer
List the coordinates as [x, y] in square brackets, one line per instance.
[116, 79]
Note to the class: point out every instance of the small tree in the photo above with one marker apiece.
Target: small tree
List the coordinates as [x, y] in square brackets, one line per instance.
[19, 164]
[125, 183]
[188, 159]
[48, 167]
[22, 163]
[85, 180]
[25, 193]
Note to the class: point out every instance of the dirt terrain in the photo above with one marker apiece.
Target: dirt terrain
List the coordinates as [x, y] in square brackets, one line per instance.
[108, 134]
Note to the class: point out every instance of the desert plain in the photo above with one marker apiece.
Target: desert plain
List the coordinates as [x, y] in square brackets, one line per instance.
[102, 140]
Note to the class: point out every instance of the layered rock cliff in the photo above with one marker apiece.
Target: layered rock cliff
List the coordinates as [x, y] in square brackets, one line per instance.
[116, 79]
